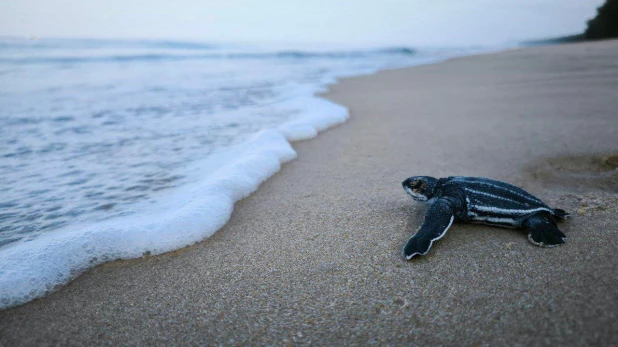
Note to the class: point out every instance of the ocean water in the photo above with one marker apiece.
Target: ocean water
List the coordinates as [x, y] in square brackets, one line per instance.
[114, 149]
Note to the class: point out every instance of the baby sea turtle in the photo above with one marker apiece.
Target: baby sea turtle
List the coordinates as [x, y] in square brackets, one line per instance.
[479, 200]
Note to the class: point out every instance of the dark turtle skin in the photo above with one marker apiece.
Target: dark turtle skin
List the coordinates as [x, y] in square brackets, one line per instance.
[479, 200]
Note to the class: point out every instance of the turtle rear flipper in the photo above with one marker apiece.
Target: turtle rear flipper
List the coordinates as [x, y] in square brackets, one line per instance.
[543, 232]
[562, 214]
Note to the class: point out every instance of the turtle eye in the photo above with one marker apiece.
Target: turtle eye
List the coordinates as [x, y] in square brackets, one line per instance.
[417, 184]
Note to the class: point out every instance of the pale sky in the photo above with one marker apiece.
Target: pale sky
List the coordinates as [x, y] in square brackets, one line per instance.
[382, 22]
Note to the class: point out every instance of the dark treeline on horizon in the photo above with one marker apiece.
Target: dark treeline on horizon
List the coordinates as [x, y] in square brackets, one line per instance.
[605, 24]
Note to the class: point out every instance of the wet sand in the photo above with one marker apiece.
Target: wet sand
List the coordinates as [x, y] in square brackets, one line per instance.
[314, 255]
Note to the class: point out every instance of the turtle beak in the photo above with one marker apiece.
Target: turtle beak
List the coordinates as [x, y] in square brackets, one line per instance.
[405, 183]
[416, 196]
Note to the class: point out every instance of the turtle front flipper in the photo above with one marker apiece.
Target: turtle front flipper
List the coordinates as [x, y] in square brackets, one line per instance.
[438, 220]
[543, 232]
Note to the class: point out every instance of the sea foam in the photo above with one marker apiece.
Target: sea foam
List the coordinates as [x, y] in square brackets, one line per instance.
[191, 213]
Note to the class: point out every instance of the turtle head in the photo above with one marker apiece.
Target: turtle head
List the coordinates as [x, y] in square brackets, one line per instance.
[420, 188]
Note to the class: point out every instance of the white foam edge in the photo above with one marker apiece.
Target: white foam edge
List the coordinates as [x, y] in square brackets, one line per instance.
[192, 213]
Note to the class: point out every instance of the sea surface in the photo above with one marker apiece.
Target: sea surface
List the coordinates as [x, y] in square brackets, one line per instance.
[115, 149]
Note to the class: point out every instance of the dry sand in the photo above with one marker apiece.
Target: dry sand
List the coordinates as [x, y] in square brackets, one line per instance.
[314, 255]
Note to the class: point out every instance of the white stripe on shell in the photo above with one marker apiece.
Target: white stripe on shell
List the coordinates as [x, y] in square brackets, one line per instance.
[507, 211]
[491, 195]
[475, 217]
[431, 242]
[530, 198]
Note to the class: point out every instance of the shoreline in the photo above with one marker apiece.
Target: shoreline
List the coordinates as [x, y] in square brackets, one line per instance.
[207, 203]
[313, 255]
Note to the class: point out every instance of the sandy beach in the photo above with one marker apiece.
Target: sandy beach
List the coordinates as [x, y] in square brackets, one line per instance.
[314, 256]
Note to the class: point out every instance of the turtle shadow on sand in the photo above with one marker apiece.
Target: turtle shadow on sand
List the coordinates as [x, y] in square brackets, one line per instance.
[414, 216]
